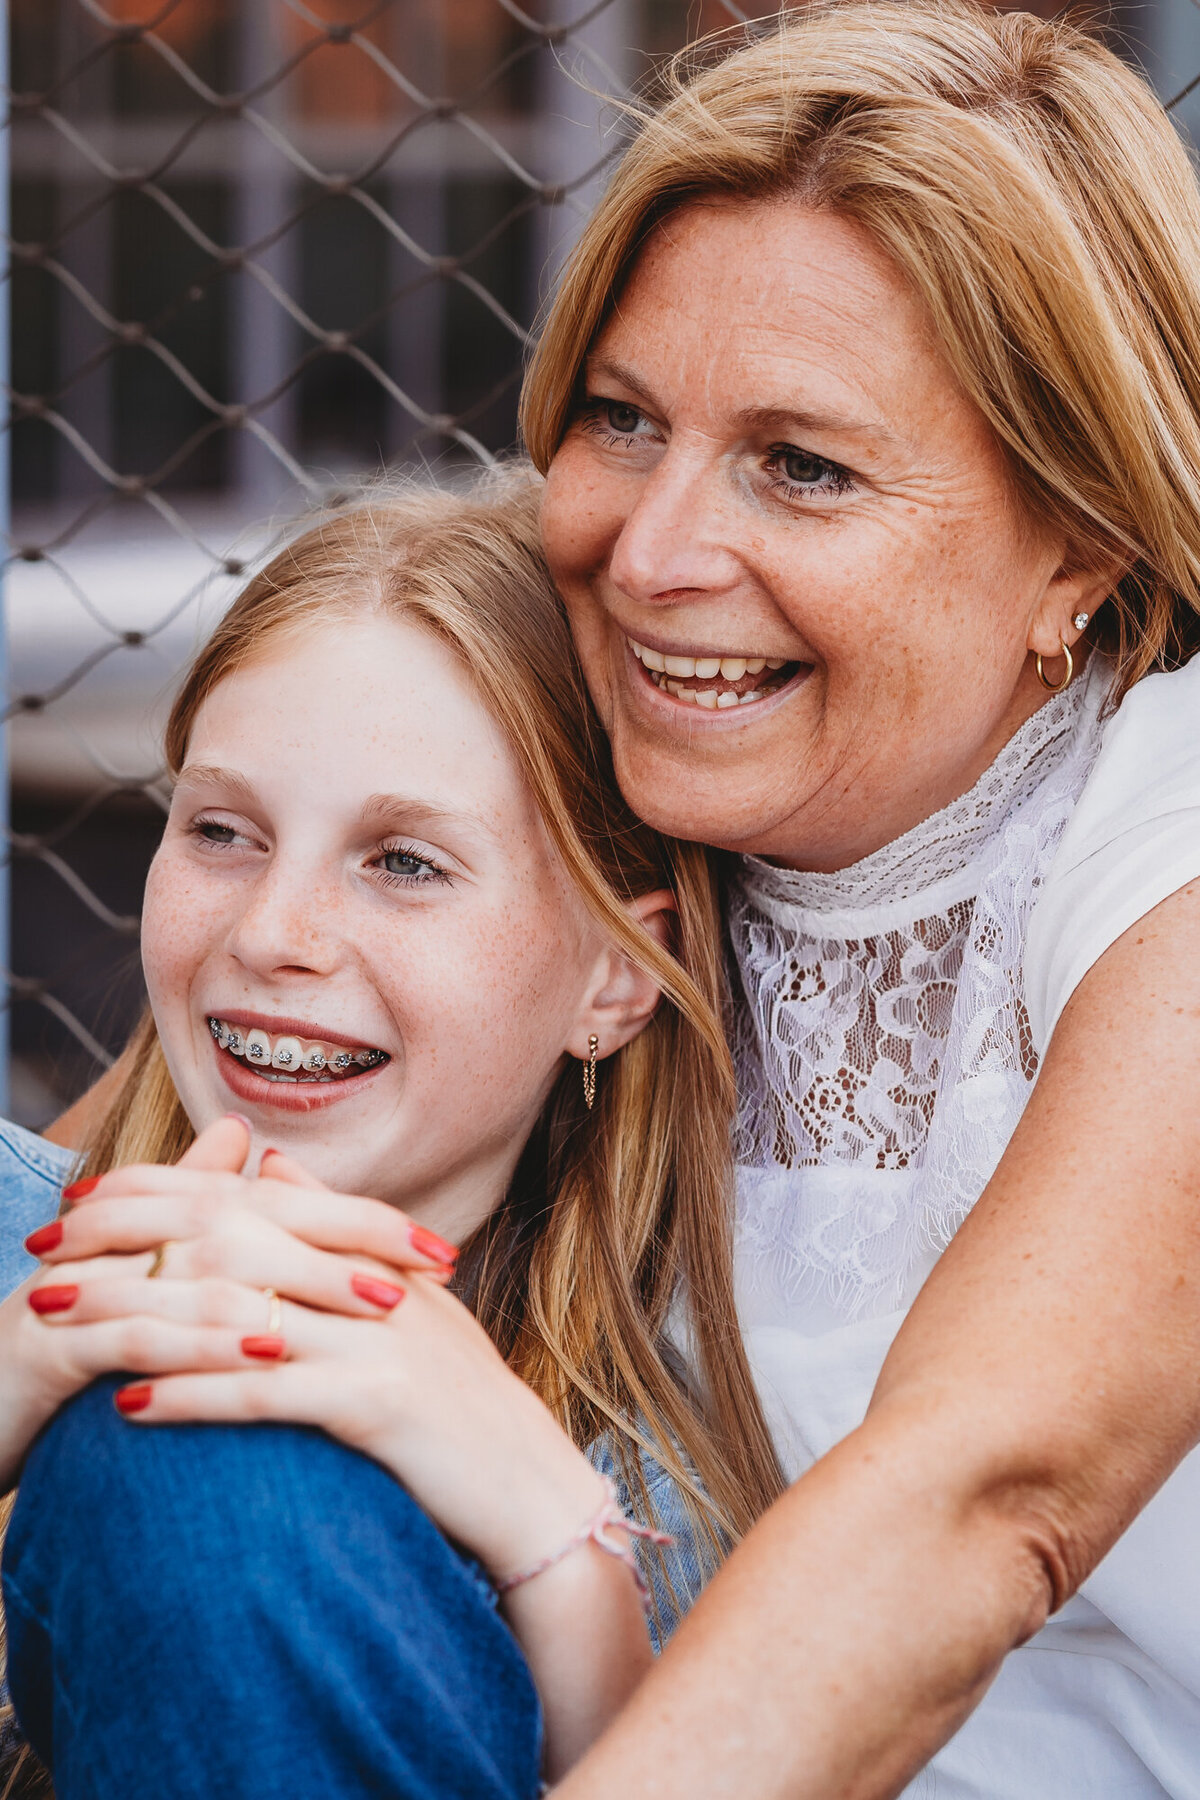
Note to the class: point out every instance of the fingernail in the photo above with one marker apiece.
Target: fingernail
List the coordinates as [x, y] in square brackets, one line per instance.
[79, 1190]
[47, 1237]
[242, 1120]
[53, 1299]
[267, 1349]
[379, 1293]
[133, 1399]
[428, 1243]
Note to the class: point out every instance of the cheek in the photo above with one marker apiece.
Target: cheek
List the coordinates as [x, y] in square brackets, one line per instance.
[581, 514]
[178, 925]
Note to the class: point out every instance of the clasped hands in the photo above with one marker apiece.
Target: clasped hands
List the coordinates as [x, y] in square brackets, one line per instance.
[365, 1341]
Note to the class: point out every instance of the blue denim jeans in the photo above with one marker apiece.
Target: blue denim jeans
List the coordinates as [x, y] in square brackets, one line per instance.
[253, 1612]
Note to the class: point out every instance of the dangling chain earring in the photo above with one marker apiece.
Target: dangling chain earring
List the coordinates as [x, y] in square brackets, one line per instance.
[1056, 687]
[589, 1072]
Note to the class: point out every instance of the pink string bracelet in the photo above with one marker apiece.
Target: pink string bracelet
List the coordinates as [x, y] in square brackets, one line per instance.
[610, 1517]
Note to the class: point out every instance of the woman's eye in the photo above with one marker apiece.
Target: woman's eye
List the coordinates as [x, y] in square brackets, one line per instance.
[613, 420]
[802, 473]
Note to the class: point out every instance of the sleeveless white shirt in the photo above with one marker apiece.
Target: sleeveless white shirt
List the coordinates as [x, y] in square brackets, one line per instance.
[888, 1025]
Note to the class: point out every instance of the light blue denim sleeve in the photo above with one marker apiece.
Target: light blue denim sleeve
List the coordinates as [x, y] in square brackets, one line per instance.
[677, 1573]
[32, 1172]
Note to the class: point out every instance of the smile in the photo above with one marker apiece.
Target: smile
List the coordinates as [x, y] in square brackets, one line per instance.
[296, 1061]
[715, 683]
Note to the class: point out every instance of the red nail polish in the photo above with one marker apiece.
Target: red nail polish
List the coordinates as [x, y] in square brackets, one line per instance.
[47, 1237]
[133, 1399]
[53, 1299]
[379, 1293]
[79, 1190]
[428, 1243]
[267, 1349]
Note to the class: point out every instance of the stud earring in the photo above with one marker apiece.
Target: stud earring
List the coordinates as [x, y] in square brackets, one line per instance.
[589, 1072]
[1080, 620]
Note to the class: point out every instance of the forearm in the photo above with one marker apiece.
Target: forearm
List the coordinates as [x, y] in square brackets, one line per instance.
[846, 1639]
[582, 1628]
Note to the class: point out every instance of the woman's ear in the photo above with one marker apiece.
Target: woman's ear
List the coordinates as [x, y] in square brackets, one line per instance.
[620, 998]
[1073, 592]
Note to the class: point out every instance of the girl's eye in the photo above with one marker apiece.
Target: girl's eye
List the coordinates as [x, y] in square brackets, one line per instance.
[801, 473]
[214, 833]
[403, 864]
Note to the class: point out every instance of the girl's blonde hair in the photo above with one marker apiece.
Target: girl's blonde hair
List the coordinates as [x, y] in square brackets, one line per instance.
[616, 1214]
[1034, 192]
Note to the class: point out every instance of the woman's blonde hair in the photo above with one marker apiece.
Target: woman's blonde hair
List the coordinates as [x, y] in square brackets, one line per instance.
[614, 1215]
[1032, 189]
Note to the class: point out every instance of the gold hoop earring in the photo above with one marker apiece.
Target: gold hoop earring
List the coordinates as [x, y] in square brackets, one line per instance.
[1053, 687]
[589, 1072]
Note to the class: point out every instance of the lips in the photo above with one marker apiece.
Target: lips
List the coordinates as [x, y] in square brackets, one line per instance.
[715, 682]
[290, 1067]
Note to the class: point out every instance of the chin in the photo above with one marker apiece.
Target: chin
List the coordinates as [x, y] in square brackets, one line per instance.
[698, 806]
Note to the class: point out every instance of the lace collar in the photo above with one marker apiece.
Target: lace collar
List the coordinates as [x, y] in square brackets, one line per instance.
[938, 859]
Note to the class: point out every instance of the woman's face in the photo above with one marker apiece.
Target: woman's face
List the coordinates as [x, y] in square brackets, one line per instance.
[777, 490]
[354, 867]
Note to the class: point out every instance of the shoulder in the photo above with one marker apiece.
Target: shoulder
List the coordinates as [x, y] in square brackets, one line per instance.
[1132, 839]
[32, 1172]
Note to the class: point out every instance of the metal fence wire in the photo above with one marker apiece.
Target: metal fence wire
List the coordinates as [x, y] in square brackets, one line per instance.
[258, 248]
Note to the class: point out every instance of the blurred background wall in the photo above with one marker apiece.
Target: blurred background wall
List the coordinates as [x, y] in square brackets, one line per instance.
[260, 249]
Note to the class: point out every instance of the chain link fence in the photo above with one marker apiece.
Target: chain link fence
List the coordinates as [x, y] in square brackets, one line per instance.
[260, 248]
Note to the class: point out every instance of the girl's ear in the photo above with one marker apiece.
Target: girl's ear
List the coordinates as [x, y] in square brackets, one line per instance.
[620, 999]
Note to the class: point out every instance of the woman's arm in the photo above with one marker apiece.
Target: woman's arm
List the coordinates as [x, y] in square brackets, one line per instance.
[1045, 1383]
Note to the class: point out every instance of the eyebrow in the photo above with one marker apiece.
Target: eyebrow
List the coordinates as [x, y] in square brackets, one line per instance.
[377, 810]
[778, 419]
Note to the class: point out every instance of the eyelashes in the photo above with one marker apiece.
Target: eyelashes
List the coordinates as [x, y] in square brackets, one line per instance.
[423, 870]
[795, 474]
[215, 836]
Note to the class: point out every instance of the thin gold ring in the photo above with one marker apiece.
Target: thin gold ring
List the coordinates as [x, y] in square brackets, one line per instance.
[160, 1256]
[1056, 687]
[274, 1312]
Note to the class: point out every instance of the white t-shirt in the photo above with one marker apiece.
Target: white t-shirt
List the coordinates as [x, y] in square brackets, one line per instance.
[879, 1055]
[1133, 838]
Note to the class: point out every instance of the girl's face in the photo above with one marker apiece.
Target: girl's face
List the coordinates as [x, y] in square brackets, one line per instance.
[356, 892]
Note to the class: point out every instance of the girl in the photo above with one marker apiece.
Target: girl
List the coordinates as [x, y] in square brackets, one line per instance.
[396, 877]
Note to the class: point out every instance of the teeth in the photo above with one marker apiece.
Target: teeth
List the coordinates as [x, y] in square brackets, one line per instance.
[288, 1058]
[703, 668]
[708, 699]
[726, 700]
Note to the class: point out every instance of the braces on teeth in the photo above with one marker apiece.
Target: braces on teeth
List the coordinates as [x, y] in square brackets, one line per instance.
[280, 1057]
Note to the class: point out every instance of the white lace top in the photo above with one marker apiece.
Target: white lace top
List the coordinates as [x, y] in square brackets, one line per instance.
[889, 1021]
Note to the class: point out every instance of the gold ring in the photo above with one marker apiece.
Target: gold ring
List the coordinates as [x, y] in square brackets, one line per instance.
[160, 1256]
[274, 1312]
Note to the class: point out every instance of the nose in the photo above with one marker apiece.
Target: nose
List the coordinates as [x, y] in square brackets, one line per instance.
[287, 926]
[678, 541]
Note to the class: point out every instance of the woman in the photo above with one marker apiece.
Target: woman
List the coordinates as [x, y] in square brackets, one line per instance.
[452, 890]
[870, 411]
[874, 388]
